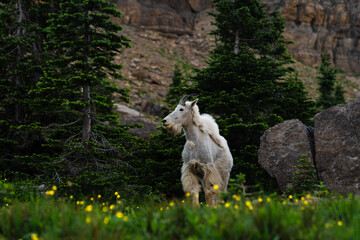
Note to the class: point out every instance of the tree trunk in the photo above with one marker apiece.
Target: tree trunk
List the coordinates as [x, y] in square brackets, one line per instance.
[20, 55]
[86, 115]
[236, 46]
[86, 97]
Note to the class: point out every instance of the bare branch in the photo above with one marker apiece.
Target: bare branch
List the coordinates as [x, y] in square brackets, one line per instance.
[61, 125]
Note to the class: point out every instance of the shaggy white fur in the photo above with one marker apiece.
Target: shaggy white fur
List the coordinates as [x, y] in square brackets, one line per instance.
[206, 155]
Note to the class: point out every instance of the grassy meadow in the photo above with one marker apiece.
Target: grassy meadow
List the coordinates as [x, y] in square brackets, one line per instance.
[51, 216]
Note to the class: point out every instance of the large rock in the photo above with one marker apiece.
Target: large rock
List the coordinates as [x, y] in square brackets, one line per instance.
[125, 111]
[131, 116]
[337, 144]
[336, 151]
[281, 148]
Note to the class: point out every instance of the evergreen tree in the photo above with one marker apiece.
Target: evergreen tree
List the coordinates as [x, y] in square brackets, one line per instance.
[331, 93]
[181, 82]
[74, 99]
[21, 37]
[56, 101]
[245, 84]
[304, 179]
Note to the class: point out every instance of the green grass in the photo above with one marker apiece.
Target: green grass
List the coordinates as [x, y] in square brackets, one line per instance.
[51, 217]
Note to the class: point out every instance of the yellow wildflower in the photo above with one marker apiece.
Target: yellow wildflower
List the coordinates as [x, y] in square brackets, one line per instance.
[105, 209]
[268, 199]
[171, 204]
[54, 188]
[302, 198]
[308, 196]
[260, 199]
[71, 196]
[99, 196]
[119, 215]
[112, 207]
[92, 199]
[306, 202]
[216, 187]
[227, 205]
[125, 219]
[89, 208]
[290, 196]
[187, 194]
[236, 206]
[117, 196]
[340, 223]
[236, 197]
[161, 209]
[88, 220]
[116, 193]
[106, 220]
[249, 205]
[50, 192]
[34, 236]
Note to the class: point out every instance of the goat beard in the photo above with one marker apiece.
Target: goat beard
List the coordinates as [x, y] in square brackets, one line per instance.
[174, 129]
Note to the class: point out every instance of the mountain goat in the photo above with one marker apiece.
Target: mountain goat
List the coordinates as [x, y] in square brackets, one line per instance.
[206, 155]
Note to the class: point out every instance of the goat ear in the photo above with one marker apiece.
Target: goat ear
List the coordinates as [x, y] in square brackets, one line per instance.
[194, 102]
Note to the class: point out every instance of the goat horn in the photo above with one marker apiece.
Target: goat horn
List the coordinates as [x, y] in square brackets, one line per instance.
[186, 97]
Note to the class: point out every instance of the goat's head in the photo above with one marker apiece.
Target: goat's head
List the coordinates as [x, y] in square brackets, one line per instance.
[181, 115]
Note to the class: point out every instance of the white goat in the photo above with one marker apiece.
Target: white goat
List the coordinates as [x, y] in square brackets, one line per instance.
[206, 155]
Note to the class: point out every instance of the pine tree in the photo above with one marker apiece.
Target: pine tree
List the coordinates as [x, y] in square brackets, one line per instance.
[21, 38]
[304, 179]
[75, 99]
[331, 92]
[181, 81]
[245, 84]
[61, 53]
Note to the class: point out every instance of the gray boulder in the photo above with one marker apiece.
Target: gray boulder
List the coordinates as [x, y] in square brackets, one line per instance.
[281, 148]
[337, 144]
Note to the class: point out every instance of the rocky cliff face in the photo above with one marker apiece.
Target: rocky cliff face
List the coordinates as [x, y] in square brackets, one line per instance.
[318, 25]
[172, 16]
[314, 25]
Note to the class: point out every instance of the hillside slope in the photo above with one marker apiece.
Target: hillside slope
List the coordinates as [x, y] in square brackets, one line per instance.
[149, 64]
